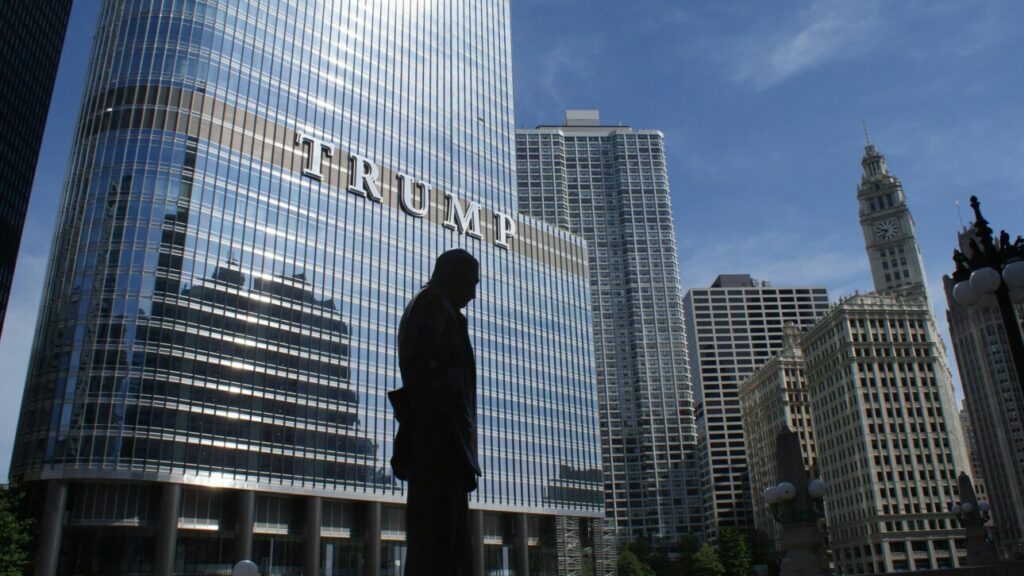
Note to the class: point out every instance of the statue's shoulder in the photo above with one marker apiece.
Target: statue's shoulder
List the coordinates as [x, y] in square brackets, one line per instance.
[427, 298]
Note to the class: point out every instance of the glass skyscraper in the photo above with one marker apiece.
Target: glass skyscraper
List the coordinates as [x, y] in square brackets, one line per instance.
[31, 37]
[610, 185]
[255, 191]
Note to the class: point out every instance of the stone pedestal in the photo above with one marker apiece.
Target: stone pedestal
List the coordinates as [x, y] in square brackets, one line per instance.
[980, 552]
[804, 552]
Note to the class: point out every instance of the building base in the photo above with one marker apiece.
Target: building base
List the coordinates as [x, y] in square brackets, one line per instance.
[123, 528]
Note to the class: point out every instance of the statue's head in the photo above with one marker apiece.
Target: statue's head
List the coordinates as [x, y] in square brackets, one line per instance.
[457, 273]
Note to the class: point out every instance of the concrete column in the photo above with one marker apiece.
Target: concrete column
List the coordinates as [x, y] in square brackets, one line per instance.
[522, 546]
[245, 519]
[51, 527]
[476, 536]
[311, 545]
[167, 529]
[371, 537]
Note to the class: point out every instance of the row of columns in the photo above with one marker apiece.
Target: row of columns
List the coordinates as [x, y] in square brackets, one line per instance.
[52, 525]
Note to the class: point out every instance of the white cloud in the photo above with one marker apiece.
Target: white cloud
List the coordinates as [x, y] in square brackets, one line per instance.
[827, 30]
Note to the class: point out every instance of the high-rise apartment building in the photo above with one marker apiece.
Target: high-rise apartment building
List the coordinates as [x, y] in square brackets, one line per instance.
[31, 37]
[256, 190]
[773, 400]
[887, 435]
[733, 327]
[609, 184]
[996, 404]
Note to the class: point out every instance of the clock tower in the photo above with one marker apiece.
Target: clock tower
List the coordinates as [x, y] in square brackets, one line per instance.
[889, 234]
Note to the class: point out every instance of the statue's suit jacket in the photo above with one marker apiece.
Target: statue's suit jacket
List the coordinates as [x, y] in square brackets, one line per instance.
[436, 407]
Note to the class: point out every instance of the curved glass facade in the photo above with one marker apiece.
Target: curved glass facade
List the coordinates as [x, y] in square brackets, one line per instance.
[221, 308]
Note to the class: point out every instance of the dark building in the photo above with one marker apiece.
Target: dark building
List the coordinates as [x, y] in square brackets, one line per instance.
[31, 36]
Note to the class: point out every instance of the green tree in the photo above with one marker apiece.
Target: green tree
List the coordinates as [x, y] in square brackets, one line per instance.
[641, 548]
[706, 563]
[630, 565]
[660, 564]
[686, 548]
[15, 533]
[733, 553]
[762, 550]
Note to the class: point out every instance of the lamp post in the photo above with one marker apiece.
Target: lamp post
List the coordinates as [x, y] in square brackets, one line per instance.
[796, 505]
[991, 268]
[973, 515]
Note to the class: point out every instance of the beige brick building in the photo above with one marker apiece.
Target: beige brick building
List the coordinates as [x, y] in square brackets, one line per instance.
[887, 432]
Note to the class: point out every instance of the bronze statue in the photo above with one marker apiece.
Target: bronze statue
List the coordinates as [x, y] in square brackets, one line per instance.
[436, 446]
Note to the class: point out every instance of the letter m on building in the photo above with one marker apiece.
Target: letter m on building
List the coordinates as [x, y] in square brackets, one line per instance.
[465, 220]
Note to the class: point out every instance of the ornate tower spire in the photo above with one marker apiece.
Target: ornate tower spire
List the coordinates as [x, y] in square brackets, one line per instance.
[889, 234]
[873, 162]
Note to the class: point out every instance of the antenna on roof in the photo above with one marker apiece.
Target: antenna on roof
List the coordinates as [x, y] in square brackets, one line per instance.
[867, 138]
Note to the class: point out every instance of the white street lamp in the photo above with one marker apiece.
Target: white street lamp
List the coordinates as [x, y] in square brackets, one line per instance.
[816, 489]
[985, 280]
[786, 491]
[1013, 274]
[245, 568]
[965, 294]
[978, 275]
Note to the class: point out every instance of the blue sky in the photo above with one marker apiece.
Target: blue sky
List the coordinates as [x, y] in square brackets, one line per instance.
[762, 106]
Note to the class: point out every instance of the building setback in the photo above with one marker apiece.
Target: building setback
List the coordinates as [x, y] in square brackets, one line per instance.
[255, 191]
[887, 435]
[733, 327]
[773, 400]
[31, 37]
[610, 186]
[995, 402]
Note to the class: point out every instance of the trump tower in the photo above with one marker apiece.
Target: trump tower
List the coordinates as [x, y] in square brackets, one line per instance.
[255, 191]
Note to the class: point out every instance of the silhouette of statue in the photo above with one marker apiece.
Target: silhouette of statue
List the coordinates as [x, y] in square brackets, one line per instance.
[436, 446]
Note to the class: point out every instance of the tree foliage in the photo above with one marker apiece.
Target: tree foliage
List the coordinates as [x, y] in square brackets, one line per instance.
[686, 548]
[733, 553]
[762, 550]
[706, 563]
[15, 533]
[630, 565]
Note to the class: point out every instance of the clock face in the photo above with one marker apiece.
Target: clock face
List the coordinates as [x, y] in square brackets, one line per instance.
[887, 229]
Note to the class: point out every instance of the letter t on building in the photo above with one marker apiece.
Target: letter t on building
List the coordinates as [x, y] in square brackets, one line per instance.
[315, 157]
